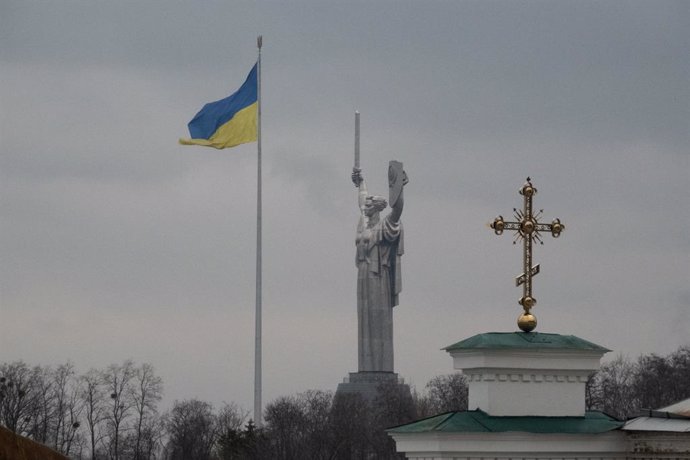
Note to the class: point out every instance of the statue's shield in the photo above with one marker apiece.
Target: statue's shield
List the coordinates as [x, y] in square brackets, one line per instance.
[395, 181]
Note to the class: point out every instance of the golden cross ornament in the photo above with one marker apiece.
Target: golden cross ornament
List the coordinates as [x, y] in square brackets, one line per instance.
[527, 228]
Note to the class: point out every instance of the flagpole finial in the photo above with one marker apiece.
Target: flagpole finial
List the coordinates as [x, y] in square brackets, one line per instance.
[259, 41]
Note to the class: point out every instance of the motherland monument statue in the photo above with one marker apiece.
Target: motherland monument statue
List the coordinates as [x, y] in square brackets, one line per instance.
[379, 248]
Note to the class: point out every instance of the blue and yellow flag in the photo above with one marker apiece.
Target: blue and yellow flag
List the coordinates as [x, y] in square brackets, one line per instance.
[227, 122]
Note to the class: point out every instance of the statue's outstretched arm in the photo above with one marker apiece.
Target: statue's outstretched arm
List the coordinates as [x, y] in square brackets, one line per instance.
[397, 208]
[398, 205]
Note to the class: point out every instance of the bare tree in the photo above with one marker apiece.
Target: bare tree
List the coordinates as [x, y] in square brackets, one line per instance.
[285, 426]
[422, 404]
[151, 441]
[680, 361]
[19, 394]
[192, 431]
[146, 392]
[623, 387]
[92, 394]
[350, 424]
[318, 431]
[392, 406]
[299, 427]
[117, 380]
[611, 389]
[67, 408]
[233, 442]
[660, 381]
[42, 418]
[231, 417]
[447, 393]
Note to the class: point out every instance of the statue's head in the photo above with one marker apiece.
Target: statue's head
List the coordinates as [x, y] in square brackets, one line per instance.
[374, 205]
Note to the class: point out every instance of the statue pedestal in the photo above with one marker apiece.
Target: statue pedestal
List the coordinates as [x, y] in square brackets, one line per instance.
[367, 384]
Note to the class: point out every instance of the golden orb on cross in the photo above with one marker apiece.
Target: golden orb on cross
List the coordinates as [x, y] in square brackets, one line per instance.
[527, 190]
[498, 225]
[527, 322]
[527, 226]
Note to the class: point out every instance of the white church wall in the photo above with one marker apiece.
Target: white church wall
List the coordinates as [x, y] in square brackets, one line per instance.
[527, 382]
[535, 392]
[513, 446]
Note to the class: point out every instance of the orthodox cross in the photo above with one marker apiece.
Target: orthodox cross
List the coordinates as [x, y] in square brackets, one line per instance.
[527, 228]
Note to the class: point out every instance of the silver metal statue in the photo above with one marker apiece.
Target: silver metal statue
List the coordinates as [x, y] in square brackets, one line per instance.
[379, 249]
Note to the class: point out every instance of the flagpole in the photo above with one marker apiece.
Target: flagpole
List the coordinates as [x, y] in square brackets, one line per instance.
[257, 335]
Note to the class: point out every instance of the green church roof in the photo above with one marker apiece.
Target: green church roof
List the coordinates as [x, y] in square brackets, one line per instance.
[525, 340]
[478, 421]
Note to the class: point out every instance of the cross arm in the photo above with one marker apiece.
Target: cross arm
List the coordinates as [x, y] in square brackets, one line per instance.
[499, 225]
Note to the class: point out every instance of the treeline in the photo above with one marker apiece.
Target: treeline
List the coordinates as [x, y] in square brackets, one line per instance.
[114, 413]
[108, 413]
[624, 387]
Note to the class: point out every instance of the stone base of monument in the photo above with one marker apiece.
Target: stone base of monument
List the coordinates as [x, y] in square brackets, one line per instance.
[368, 384]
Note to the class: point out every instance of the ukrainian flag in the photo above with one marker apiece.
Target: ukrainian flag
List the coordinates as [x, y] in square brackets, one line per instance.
[227, 122]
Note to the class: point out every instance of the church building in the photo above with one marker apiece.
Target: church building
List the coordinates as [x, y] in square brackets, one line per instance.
[527, 401]
[527, 391]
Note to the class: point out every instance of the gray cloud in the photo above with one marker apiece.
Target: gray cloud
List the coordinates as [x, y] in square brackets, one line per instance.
[116, 242]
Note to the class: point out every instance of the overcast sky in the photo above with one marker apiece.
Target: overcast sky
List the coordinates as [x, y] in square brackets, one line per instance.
[116, 242]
